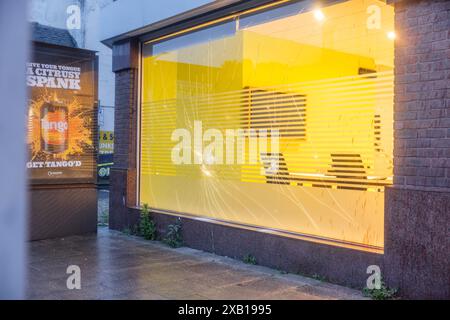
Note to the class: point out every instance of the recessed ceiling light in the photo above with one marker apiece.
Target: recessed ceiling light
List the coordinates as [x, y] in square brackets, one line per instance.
[318, 14]
[391, 35]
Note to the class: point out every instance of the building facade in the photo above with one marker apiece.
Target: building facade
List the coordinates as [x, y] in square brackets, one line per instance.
[312, 137]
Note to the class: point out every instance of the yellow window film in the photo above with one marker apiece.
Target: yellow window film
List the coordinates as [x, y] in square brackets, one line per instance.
[281, 119]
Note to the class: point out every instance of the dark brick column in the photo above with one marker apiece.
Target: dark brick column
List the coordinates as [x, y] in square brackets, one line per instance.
[417, 221]
[123, 173]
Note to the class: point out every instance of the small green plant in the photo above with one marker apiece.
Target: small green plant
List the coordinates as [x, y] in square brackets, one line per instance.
[249, 259]
[126, 231]
[384, 293]
[147, 227]
[318, 277]
[131, 230]
[173, 237]
[314, 276]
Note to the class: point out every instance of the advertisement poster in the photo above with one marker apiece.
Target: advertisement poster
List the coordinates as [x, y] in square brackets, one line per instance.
[105, 143]
[61, 115]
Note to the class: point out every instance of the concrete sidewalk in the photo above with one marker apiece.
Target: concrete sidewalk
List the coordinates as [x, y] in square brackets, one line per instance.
[116, 266]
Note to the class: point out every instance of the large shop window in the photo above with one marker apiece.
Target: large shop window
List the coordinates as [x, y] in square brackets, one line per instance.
[280, 119]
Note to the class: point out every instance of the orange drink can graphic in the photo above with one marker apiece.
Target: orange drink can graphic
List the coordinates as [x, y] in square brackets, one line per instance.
[54, 128]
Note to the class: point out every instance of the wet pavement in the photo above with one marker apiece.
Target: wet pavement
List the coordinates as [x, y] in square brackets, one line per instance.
[103, 206]
[117, 266]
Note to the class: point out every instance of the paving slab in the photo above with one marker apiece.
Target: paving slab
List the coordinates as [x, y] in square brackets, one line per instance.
[117, 266]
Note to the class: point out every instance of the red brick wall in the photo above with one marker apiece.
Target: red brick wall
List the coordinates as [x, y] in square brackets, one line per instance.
[123, 173]
[125, 119]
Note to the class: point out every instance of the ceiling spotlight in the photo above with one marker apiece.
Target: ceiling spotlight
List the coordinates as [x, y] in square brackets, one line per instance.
[391, 35]
[318, 14]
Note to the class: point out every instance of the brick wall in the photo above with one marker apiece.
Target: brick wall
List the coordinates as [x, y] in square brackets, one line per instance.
[123, 172]
[422, 95]
[124, 118]
[417, 219]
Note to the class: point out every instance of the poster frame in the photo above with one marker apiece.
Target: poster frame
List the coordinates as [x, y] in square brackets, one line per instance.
[75, 53]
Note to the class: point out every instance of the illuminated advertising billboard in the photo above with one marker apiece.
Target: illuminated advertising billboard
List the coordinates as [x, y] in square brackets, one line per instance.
[62, 86]
[105, 142]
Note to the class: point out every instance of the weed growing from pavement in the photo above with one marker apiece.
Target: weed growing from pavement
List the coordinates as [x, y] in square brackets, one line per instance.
[384, 293]
[131, 230]
[147, 227]
[173, 237]
[249, 259]
[126, 231]
[318, 277]
[315, 276]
